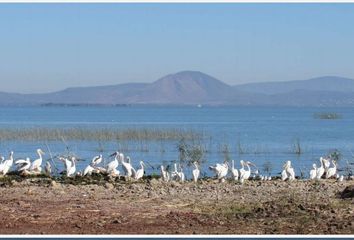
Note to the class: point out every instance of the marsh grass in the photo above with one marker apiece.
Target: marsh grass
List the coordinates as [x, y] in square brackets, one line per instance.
[84, 134]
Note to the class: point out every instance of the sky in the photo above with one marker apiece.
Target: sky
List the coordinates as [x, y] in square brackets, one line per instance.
[49, 47]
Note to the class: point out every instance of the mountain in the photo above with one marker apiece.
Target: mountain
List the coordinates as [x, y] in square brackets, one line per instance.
[327, 83]
[193, 87]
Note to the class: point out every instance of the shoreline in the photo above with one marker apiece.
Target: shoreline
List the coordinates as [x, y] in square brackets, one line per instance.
[38, 206]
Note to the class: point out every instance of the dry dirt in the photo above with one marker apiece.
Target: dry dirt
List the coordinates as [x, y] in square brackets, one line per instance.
[35, 206]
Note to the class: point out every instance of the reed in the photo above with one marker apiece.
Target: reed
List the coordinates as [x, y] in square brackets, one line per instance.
[82, 134]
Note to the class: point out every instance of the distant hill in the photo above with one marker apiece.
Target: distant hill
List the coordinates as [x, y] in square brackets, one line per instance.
[193, 87]
[327, 83]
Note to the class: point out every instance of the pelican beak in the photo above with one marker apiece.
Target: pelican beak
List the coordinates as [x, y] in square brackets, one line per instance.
[252, 164]
[113, 154]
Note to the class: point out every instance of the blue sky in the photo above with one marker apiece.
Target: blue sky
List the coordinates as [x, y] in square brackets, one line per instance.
[47, 47]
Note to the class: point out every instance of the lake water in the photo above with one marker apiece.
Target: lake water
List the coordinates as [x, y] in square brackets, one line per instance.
[263, 134]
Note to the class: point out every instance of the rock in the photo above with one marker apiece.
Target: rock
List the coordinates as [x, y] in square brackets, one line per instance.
[348, 192]
[154, 182]
[109, 186]
[54, 184]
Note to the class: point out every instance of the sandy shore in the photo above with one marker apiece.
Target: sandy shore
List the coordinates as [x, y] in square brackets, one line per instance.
[35, 206]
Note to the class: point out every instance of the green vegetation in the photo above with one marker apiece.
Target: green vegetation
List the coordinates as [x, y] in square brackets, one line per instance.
[54, 134]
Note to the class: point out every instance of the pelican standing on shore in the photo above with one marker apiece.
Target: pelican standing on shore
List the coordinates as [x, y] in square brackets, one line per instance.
[70, 171]
[48, 168]
[7, 164]
[195, 172]
[164, 174]
[140, 173]
[23, 164]
[220, 170]
[313, 172]
[320, 171]
[245, 174]
[288, 171]
[234, 171]
[112, 166]
[128, 168]
[36, 164]
[332, 170]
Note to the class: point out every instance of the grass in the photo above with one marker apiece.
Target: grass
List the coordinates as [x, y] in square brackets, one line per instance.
[82, 134]
[327, 116]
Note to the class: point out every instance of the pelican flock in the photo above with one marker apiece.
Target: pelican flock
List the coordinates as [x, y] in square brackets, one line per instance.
[328, 169]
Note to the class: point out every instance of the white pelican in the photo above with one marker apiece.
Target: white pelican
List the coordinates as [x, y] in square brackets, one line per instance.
[181, 176]
[288, 172]
[164, 174]
[220, 170]
[36, 164]
[128, 168]
[195, 172]
[112, 166]
[341, 178]
[96, 160]
[72, 168]
[174, 174]
[48, 168]
[234, 171]
[326, 163]
[7, 164]
[140, 173]
[313, 171]
[88, 170]
[332, 170]
[320, 171]
[23, 165]
[269, 178]
[245, 174]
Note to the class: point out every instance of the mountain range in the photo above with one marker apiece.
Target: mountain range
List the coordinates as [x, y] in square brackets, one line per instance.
[194, 88]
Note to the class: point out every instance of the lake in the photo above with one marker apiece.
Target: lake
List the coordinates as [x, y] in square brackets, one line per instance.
[257, 134]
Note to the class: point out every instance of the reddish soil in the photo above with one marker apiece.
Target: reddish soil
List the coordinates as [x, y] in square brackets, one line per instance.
[153, 207]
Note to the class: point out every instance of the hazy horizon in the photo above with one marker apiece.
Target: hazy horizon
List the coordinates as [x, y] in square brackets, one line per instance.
[50, 47]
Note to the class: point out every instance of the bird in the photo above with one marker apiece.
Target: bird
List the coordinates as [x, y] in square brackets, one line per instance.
[36, 164]
[67, 163]
[234, 171]
[195, 172]
[288, 172]
[70, 171]
[113, 165]
[7, 164]
[320, 171]
[313, 171]
[181, 175]
[164, 174]
[23, 164]
[174, 174]
[140, 172]
[220, 170]
[245, 174]
[326, 163]
[269, 178]
[48, 168]
[332, 170]
[96, 160]
[128, 168]
[88, 170]
[341, 178]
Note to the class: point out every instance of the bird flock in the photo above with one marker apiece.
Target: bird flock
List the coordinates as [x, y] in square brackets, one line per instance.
[327, 169]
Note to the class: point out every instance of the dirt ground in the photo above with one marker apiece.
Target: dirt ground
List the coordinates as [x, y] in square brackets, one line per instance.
[33, 206]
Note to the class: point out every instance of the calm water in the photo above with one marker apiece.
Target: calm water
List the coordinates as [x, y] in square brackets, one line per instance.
[264, 134]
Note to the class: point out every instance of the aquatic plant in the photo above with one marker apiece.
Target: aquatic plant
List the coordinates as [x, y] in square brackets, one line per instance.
[101, 134]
